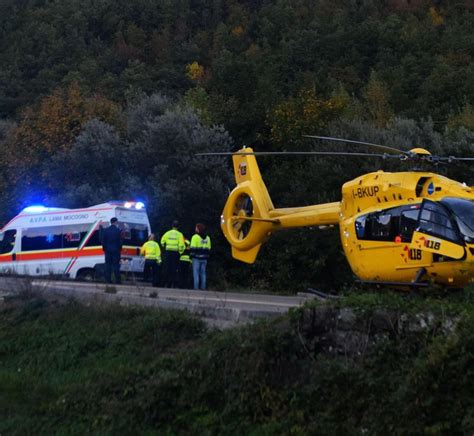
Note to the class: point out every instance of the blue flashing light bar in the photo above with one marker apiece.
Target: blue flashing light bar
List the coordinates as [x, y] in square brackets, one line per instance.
[35, 209]
[40, 209]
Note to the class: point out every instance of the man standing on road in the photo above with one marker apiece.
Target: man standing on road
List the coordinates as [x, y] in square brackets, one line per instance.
[200, 251]
[185, 267]
[112, 246]
[173, 244]
[152, 252]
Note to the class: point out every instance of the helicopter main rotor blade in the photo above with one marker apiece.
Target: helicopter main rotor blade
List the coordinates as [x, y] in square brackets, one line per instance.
[381, 147]
[453, 158]
[445, 159]
[300, 153]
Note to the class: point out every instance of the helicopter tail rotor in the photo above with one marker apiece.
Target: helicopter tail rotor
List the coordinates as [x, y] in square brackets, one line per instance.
[245, 220]
[249, 216]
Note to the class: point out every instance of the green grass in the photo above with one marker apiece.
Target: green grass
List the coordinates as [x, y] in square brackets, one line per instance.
[70, 369]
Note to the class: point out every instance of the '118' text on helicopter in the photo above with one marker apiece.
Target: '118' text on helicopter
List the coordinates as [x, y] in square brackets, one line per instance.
[401, 228]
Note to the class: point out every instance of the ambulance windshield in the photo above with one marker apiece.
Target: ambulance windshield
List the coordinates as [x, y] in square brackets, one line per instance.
[7, 241]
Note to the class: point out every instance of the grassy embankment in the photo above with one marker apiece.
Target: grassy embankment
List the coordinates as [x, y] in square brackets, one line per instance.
[66, 368]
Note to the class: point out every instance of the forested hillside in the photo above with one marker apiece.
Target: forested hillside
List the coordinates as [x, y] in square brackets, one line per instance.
[111, 99]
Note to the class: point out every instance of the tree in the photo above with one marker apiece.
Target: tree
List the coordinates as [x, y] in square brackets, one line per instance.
[465, 118]
[377, 101]
[48, 129]
[7, 129]
[302, 115]
[54, 124]
[142, 110]
[93, 169]
[180, 184]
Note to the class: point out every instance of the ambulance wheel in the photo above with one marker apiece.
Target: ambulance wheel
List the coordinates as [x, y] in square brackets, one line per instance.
[86, 274]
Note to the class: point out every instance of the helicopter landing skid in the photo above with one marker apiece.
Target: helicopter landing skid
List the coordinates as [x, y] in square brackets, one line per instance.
[417, 283]
[409, 284]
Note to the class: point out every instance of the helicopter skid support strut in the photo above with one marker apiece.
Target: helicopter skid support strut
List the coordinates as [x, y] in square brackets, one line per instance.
[419, 275]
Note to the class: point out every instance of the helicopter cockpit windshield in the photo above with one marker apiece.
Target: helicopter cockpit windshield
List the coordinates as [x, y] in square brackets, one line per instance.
[463, 212]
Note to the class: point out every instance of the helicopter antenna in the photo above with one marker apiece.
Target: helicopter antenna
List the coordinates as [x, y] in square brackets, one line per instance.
[380, 147]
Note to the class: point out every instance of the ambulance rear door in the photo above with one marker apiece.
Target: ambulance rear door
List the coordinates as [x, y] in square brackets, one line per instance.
[135, 229]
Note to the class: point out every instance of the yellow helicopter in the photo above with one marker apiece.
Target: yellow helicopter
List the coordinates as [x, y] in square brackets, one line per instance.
[401, 228]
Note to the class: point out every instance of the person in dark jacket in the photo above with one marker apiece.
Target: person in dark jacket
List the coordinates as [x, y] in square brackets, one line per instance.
[112, 246]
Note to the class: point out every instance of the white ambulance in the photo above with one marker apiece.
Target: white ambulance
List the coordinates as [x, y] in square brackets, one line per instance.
[67, 242]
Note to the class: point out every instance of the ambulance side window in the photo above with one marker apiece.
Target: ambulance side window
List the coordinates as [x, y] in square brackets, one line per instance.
[7, 241]
[74, 234]
[45, 238]
[96, 238]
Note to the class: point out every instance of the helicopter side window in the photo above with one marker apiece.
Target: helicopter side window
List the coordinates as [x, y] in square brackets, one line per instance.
[434, 220]
[408, 223]
[463, 213]
[379, 226]
[389, 224]
[360, 226]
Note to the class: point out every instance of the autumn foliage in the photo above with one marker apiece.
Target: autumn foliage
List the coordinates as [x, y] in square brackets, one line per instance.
[304, 114]
[48, 128]
[58, 119]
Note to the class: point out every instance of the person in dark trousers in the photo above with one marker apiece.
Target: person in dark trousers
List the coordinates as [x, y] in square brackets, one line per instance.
[185, 267]
[173, 245]
[200, 251]
[152, 252]
[112, 246]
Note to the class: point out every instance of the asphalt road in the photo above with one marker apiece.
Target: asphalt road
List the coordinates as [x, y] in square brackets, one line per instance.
[218, 308]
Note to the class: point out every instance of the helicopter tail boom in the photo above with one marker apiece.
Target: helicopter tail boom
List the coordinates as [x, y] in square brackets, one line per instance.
[249, 216]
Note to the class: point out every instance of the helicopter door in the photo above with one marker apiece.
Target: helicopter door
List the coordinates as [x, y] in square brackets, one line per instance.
[436, 232]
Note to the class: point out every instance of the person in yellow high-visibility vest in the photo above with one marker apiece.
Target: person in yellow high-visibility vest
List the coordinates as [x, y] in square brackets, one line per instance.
[185, 266]
[200, 251]
[152, 252]
[173, 245]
